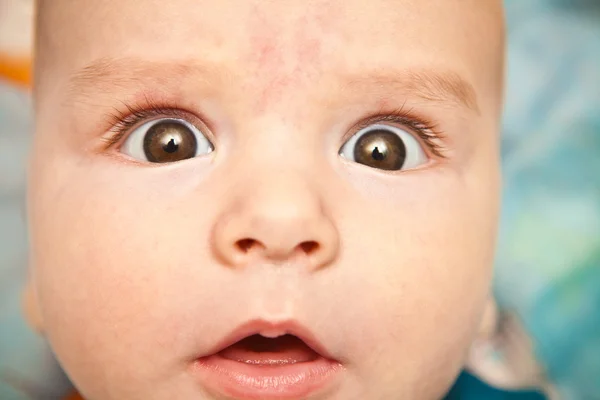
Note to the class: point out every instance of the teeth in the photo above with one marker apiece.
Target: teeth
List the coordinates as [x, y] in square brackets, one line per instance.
[272, 334]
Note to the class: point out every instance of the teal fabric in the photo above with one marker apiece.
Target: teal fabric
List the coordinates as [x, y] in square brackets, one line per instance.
[468, 387]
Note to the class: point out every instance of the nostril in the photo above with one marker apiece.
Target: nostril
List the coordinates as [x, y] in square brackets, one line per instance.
[246, 244]
[309, 247]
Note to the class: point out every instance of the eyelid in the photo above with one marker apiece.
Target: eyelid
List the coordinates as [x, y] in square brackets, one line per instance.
[123, 123]
[424, 131]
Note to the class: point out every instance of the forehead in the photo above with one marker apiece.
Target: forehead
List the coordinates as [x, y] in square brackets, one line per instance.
[278, 43]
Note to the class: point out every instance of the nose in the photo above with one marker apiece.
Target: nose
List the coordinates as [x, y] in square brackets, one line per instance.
[278, 218]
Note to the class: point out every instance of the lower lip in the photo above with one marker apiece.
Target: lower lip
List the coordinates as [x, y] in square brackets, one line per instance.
[253, 382]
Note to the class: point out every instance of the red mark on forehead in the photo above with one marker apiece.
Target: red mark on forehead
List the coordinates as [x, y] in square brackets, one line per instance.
[285, 53]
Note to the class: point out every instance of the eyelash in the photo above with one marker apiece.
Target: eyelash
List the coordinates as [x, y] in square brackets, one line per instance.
[427, 131]
[122, 123]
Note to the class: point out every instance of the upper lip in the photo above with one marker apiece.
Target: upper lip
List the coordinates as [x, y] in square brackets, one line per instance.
[272, 329]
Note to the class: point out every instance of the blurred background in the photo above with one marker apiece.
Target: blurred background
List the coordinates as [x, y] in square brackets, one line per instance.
[548, 261]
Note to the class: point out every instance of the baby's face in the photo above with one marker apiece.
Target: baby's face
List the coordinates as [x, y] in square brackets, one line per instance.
[209, 171]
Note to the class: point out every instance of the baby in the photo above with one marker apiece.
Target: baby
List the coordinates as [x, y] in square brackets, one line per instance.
[252, 199]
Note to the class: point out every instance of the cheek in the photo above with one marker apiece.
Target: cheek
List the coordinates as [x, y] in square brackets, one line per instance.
[418, 268]
[105, 250]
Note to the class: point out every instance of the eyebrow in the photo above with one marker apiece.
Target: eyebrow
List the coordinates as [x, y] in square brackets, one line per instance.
[442, 87]
[107, 74]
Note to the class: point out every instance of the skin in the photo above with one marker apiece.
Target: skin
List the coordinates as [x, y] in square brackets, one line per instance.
[135, 266]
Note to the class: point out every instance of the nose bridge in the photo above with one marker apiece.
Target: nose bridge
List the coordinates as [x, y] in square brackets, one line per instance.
[283, 194]
[278, 215]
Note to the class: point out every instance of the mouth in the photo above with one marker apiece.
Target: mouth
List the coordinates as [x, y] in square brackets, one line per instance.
[268, 361]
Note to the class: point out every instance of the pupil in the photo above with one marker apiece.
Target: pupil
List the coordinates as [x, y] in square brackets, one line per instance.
[377, 155]
[171, 147]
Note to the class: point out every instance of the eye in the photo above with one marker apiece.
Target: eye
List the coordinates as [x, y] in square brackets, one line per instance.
[166, 140]
[384, 147]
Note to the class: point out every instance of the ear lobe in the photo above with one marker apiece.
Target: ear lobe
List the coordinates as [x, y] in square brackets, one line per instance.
[31, 308]
[489, 320]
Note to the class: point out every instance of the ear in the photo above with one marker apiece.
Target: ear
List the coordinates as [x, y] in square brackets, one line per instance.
[503, 354]
[31, 307]
[484, 358]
